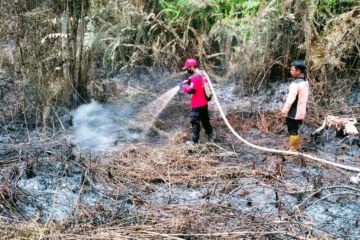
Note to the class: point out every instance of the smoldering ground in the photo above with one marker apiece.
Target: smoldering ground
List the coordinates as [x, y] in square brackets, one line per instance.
[129, 186]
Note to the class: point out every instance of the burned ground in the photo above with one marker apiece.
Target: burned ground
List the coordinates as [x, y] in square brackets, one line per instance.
[158, 188]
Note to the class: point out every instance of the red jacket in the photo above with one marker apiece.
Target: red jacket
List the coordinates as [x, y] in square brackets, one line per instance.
[196, 88]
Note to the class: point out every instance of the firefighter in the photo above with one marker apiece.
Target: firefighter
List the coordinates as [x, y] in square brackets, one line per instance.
[294, 109]
[199, 103]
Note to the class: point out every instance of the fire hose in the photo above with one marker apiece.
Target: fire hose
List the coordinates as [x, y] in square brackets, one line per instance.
[271, 150]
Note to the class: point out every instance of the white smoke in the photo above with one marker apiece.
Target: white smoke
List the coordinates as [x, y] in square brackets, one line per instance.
[98, 127]
[101, 127]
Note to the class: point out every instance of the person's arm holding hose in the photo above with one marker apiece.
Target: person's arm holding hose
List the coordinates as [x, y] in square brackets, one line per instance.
[187, 87]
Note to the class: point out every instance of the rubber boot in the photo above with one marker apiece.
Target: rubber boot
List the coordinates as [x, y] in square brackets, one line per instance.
[294, 143]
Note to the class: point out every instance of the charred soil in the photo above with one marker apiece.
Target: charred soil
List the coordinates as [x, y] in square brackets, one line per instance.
[157, 187]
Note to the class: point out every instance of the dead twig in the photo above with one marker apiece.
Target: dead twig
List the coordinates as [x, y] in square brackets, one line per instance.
[322, 189]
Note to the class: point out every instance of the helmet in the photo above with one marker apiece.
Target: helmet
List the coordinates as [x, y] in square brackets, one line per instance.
[189, 63]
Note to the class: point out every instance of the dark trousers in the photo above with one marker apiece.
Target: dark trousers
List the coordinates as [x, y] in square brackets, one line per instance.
[198, 115]
[293, 126]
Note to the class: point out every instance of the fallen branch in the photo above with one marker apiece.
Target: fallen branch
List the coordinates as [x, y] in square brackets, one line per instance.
[324, 188]
[334, 194]
[344, 124]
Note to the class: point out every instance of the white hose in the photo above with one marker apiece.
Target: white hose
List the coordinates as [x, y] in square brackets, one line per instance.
[355, 169]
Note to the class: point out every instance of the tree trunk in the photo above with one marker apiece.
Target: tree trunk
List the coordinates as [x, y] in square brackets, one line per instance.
[78, 53]
[65, 49]
[74, 58]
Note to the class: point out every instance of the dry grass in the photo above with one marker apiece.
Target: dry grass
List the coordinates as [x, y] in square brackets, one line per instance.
[267, 122]
[133, 173]
[170, 165]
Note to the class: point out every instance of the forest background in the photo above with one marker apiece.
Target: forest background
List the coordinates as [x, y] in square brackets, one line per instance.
[55, 48]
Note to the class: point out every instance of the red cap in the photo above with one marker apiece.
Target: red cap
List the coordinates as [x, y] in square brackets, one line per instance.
[189, 63]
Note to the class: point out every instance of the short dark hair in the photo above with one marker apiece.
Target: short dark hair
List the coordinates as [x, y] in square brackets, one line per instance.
[300, 65]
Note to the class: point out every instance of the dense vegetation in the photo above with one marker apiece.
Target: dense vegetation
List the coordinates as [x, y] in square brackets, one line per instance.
[59, 46]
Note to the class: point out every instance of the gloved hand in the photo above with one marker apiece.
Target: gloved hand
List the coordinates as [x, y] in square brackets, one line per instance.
[180, 84]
